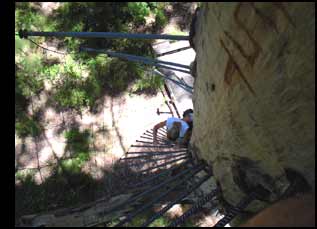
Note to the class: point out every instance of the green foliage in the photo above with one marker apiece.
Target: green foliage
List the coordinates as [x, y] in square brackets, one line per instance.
[113, 74]
[141, 218]
[69, 96]
[26, 175]
[20, 46]
[106, 75]
[92, 16]
[28, 83]
[83, 78]
[74, 91]
[31, 64]
[160, 19]
[77, 83]
[69, 88]
[28, 67]
[25, 126]
[160, 222]
[113, 222]
[158, 9]
[148, 83]
[29, 18]
[142, 48]
[120, 74]
[75, 11]
[78, 142]
[21, 101]
[73, 165]
[52, 72]
[138, 10]
[103, 16]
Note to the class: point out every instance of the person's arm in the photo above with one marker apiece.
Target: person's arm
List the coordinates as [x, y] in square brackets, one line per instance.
[155, 128]
[186, 137]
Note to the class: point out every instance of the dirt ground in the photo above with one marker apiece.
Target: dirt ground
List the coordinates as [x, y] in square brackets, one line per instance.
[114, 127]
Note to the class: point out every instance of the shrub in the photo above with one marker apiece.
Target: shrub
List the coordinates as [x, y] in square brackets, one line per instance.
[69, 97]
[29, 18]
[72, 89]
[138, 10]
[74, 165]
[160, 19]
[27, 72]
[148, 83]
[78, 142]
[25, 126]
[26, 176]
[69, 86]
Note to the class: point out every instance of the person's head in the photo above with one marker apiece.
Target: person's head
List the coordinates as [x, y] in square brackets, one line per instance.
[188, 115]
[173, 133]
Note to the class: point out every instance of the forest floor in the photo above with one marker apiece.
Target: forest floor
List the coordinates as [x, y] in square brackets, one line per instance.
[112, 129]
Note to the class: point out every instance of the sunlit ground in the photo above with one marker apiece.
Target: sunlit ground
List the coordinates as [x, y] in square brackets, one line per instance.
[114, 129]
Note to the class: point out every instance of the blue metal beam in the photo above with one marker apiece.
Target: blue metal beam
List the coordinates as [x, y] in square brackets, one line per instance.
[143, 60]
[25, 34]
[186, 87]
[124, 55]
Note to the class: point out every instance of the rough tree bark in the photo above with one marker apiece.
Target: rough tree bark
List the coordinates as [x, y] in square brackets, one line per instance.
[254, 96]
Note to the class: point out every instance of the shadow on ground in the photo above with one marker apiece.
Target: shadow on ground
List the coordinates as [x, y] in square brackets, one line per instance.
[65, 183]
[68, 185]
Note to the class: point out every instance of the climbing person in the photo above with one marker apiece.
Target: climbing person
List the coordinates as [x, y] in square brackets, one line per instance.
[178, 130]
